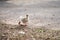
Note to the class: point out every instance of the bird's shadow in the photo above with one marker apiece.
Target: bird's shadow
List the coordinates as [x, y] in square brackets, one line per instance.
[19, 27]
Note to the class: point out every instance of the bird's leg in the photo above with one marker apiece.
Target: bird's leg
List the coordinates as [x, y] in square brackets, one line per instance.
[25, 24]
[19, 23]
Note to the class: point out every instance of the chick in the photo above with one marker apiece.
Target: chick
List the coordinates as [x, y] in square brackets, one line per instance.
[23, 21]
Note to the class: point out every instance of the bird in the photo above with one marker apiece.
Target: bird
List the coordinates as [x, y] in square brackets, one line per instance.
[23, 20]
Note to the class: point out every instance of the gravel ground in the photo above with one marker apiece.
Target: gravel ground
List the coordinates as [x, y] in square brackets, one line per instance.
[15, 32]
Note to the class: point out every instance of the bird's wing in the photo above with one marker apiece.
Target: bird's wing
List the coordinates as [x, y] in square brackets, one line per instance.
[20, 18]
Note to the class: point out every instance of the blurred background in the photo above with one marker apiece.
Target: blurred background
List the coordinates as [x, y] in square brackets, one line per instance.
[41, 12]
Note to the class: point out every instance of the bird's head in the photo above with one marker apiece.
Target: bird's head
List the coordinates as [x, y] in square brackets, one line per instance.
[27, 15]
